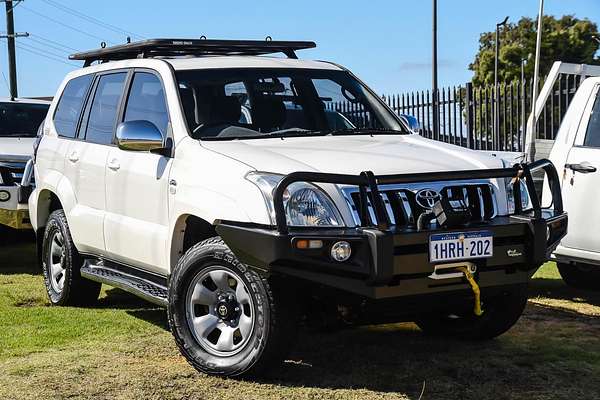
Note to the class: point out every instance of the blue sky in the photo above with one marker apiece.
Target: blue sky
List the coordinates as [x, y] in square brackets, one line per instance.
[385, 42]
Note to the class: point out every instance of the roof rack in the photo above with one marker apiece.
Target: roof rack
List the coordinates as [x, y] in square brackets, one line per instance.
[191, 47]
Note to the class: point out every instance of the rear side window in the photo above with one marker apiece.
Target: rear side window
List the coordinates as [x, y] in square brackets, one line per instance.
[592, 135]
[21, 119]
[105, 107]
[146, 101]
[70, 105]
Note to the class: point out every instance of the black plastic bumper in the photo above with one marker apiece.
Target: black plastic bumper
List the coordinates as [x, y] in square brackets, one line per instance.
[389, 261]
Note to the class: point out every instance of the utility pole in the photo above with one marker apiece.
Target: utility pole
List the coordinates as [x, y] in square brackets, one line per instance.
[10, 38]
[434, 63]
[496, 91]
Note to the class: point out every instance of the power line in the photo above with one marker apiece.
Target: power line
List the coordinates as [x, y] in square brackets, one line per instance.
[49, 45]
[6, 82]
[52, 42]
[42, 54]
[19, 46]
[61, 56]
[63, 24]
[91, 19]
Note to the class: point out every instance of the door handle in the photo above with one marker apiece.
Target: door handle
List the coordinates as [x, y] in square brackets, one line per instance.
[583, 167]
[73, 157]
[114, 165]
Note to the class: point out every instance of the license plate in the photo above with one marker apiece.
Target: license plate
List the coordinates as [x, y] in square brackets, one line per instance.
[460, 246]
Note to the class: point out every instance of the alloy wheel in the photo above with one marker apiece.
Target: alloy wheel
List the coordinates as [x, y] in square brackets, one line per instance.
[56, 262]
[220, 311]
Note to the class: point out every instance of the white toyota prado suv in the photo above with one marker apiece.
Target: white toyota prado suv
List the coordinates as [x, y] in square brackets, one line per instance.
[249, 193]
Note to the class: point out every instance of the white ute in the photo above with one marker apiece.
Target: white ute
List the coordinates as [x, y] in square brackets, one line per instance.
[248, 193]
[19, 123]
[576, 154]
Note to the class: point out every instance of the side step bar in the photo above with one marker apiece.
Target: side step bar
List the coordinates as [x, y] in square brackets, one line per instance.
[96, 271]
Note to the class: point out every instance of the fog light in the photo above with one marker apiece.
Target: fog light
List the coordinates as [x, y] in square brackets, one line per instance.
[341, 251]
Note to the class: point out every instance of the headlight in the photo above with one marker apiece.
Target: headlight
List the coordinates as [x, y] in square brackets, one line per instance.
[305, 204]
[525, 201]
[510, 198]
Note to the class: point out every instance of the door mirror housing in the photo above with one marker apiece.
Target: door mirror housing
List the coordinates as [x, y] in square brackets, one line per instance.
[139, 136]
[412, 122]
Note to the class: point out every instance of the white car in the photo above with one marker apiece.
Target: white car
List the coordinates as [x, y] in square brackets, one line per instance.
[576, 154]
[19, 123]
[149, 179]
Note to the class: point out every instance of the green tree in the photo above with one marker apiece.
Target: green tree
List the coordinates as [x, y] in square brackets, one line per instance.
[567, 39]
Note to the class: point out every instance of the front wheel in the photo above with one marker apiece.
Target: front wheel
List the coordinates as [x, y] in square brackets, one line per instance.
[226, 319]
[500, 314]
[581, 276]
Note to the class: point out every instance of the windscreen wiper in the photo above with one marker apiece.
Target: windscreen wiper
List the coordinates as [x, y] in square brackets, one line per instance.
[367, 131]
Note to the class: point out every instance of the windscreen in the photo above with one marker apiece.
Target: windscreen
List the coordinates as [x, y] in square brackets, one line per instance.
[231, 104]
[21, 119]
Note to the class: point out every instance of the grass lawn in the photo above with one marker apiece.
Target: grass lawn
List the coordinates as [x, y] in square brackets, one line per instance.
[122, 349]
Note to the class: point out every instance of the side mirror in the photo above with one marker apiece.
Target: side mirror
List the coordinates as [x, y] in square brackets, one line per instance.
[139, 136]
[412, 122]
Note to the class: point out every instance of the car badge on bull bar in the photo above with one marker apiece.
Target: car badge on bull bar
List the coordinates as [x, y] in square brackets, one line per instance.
[426, 198]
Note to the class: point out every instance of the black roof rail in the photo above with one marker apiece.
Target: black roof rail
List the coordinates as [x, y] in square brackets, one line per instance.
[191, 47]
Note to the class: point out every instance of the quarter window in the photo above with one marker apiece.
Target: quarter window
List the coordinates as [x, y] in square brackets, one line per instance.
[146, 101]
[592, 135]
[70, 105]
[105, 107]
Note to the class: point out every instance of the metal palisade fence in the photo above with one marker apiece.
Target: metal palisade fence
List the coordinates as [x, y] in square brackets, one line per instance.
[467, 113]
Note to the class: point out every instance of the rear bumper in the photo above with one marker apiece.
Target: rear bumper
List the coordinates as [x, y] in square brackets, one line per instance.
[395, 263]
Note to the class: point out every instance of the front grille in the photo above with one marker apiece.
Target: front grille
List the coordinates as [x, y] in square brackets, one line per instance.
[404, 205]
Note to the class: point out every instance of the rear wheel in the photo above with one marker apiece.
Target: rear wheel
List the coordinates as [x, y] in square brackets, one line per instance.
[226, 319]
[582, 276]
[61, 264]
[500, 314]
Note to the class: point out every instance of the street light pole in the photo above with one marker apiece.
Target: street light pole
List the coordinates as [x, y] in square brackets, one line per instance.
[496, 91]
[434, 102]
[531, 131]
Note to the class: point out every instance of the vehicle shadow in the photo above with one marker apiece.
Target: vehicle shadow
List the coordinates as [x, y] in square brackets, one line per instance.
[134, 306]
[400, 358]
[17, 252]
[557, 289]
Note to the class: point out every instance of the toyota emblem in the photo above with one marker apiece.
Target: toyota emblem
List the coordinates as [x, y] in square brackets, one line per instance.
[222, 310]
[426, 198]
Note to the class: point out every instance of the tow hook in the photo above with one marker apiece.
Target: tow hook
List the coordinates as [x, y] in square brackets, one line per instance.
[475, 287]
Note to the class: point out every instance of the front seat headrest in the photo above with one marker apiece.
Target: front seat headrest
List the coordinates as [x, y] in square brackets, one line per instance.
[268, 113]
[219, 109]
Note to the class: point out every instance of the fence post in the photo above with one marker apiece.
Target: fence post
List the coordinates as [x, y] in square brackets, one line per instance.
[469, 108]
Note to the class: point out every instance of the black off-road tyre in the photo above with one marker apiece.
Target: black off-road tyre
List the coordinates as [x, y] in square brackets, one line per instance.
[581, 276]
[275, 318]
[500, 314]
[76, 290]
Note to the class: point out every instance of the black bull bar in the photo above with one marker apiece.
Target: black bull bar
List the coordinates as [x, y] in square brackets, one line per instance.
[367, 181]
